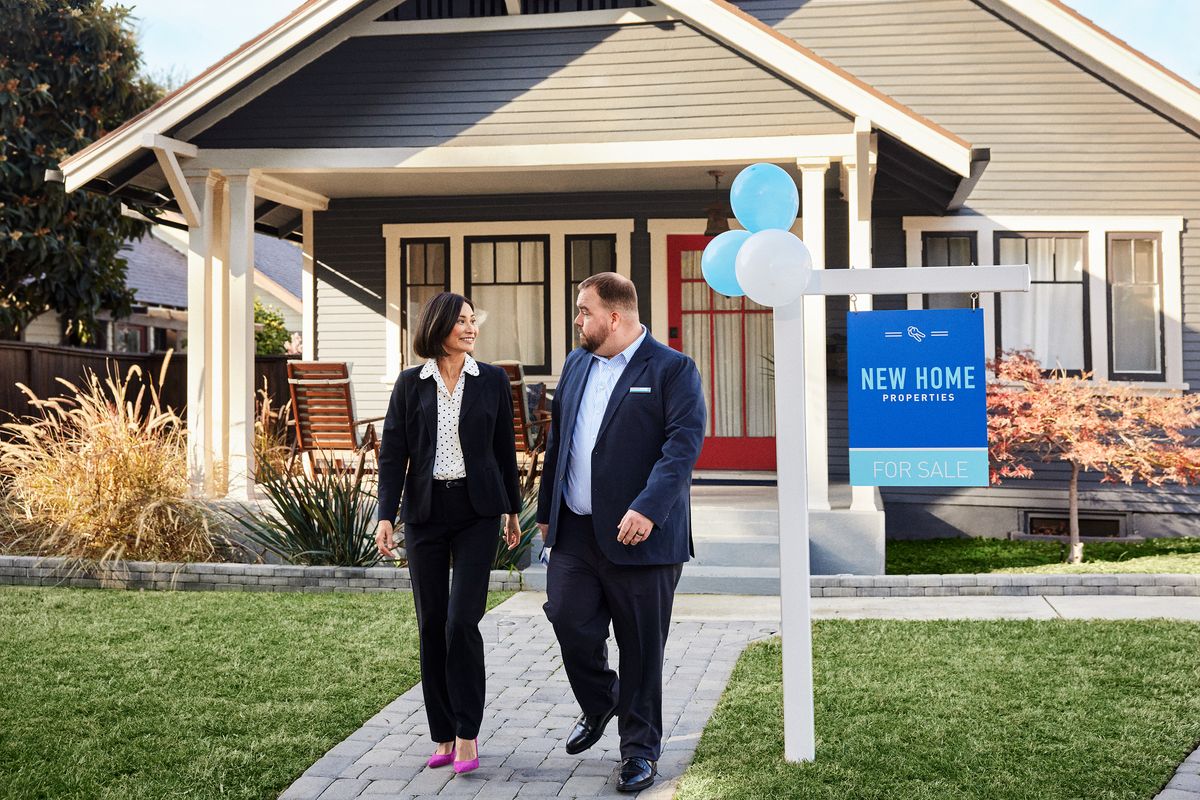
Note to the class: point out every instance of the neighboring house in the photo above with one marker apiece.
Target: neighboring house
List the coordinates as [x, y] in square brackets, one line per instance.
[156, 271]
[509, 149]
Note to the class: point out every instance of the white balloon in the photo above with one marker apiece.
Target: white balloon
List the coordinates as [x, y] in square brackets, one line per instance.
[773, 267]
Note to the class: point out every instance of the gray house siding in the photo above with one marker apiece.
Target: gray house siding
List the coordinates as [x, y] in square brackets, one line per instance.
[1063, 141]
[641, 82]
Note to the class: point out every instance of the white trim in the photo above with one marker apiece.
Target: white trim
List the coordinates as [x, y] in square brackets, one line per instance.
[270, 187]
[456, 232]
[166, 152]
[757, 41]
[515, 21]
[266, 283]
[1096, 229]
[305, 22]
[507, 158]
[1092, 40]
[308, 288]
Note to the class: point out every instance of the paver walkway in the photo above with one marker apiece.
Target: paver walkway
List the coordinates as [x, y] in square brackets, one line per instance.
[530, 710]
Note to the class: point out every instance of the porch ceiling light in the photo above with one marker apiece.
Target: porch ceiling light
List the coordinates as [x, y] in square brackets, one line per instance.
[718, 212]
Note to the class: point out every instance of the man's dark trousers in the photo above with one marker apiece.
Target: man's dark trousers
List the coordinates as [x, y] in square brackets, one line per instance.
[585, 592]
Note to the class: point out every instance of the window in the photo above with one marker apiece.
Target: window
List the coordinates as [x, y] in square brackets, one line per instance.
[1135, 313]
[506, 277]
[948, 250]
[586, 256]
[424, 273]
[129, 338]
[1052, 319]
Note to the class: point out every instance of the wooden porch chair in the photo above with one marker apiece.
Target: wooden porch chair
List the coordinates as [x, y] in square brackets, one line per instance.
[323, 410]
[530, 426]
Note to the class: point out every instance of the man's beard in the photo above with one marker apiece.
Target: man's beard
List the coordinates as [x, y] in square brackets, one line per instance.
[590, 344]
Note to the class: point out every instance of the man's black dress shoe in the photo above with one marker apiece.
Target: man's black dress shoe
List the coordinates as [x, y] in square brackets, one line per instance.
[636, 774]
[588, 730]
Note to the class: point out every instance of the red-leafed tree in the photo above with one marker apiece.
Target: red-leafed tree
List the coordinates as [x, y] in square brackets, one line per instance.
[1093, 426]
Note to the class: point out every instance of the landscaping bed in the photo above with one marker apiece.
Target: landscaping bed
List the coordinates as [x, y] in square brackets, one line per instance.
[977, 555]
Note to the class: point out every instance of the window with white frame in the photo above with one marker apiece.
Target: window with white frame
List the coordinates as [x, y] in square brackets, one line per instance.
[1052, 318]
[586, 256]
[1135, 307]
[507, 280]
[424, 267]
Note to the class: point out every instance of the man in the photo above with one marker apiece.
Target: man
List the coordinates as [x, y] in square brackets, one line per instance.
[614, 508]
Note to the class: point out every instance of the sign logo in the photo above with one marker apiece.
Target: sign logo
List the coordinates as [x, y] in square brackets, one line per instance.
[918, 398]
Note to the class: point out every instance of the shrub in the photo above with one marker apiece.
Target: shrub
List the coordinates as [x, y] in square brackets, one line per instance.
[326, 519]
[271, 336]
[102, 475]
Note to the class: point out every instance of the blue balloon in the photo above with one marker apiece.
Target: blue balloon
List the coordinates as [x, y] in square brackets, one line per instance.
[719, 260]
[764, 196]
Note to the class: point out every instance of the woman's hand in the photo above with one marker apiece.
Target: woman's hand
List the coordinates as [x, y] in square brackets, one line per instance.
[512, 530]
[384, 540]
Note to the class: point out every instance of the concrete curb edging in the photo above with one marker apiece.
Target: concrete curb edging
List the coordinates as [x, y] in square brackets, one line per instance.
[219, 577]
[1000, 585]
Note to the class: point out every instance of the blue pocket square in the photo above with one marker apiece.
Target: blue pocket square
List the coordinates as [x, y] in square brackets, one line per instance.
[639, 390]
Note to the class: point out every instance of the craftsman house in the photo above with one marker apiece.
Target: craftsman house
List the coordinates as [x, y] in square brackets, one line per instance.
[509, 148]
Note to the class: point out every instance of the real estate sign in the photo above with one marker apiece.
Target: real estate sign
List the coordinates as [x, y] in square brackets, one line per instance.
[918, 398]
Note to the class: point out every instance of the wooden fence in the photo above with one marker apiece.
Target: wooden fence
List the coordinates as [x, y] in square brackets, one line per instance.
[39, 366]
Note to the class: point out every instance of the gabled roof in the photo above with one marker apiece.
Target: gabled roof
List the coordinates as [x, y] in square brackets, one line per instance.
[334, 20]
[1172, 94]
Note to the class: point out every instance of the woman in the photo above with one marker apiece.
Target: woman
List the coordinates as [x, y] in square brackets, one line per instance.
[448, 443]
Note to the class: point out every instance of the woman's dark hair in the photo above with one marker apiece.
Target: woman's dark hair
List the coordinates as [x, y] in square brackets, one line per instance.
[438, 318]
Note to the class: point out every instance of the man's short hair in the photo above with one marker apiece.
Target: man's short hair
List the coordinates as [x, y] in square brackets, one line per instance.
[437, 320]
[615, 291]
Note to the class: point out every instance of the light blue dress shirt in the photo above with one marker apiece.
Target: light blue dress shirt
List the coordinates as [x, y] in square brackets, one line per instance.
[603, 374]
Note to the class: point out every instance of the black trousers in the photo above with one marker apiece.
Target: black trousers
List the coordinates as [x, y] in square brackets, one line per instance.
[585, 591]
[448, 615]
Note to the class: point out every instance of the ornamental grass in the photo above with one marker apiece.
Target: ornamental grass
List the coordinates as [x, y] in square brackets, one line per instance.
[101, 475]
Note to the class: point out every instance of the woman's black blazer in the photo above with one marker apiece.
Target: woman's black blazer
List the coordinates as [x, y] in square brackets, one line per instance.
[409, 444]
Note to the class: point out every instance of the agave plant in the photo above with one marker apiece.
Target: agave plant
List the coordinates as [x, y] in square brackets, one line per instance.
[515, 558]
[323, 519]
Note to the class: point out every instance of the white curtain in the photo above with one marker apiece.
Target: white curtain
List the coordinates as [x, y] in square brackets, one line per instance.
[1136, 311]
[508, 290]
[1048, 319]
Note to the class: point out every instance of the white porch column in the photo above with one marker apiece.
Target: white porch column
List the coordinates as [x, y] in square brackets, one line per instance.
[218, 342]
[859, 182]
[241, 335]
[812, 194]
[199, 333]
[308, 289]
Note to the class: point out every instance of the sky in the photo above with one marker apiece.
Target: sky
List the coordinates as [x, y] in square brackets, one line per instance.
[182, 37]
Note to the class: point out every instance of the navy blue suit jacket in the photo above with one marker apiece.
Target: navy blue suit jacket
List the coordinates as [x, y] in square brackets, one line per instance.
[645, 451]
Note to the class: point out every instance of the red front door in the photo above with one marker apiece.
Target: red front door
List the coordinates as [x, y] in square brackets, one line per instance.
[731, 341]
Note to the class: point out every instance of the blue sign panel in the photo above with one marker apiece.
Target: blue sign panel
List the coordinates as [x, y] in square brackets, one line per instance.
[918, 398]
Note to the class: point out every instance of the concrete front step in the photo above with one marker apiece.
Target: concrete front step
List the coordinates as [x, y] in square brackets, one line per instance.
[736, 551]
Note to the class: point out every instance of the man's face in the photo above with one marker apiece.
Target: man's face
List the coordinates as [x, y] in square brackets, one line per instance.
[594, 322]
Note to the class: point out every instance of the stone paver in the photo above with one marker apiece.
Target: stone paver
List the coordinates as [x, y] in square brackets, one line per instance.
[529, 711]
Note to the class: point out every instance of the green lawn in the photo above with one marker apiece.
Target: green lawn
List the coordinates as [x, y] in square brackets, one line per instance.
[964, 710]
[124, 695]
[944, 556]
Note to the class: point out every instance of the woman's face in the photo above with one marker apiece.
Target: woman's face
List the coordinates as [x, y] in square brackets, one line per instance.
[462, 336]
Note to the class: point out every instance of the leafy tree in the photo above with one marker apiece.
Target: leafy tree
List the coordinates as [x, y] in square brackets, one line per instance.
[271, 336]
[68, 74]
[1092, 425]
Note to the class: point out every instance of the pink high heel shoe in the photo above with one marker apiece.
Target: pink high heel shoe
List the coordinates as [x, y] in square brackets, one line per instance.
[440, 759]
[468, 766]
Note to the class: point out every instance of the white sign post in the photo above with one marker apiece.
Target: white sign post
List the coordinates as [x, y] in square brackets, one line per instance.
[792, 467]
